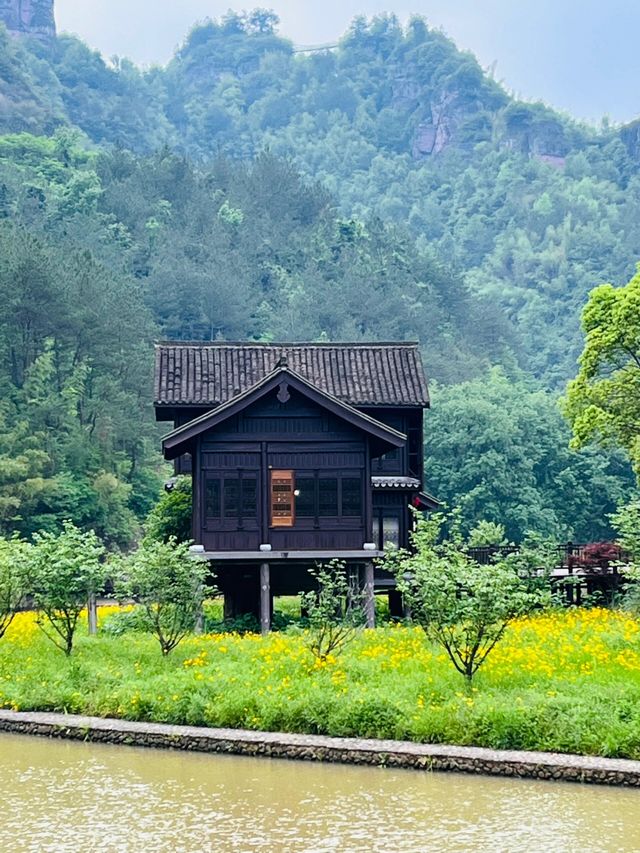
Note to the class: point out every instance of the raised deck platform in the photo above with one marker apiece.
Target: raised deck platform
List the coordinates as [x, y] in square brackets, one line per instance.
[273, 556]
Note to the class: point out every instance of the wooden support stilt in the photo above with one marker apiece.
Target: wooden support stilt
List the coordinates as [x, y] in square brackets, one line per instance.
[396, 605]
[228, 611]
[265, 598]
[369, 596]
[92, 614]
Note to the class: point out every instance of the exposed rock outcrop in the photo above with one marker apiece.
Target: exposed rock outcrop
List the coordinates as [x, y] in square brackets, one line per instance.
[630, 135]
[534, 130]
[405, 93]
[438, 130]
[29, 17]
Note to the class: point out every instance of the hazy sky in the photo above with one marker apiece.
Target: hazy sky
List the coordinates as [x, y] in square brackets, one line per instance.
[579, 55]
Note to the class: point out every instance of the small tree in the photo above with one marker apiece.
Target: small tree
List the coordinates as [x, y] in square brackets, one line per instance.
[335, 610]
[462, 606]
[64, 571]
[167, 581]
[14, 561]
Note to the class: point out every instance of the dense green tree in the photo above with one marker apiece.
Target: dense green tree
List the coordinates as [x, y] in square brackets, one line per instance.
[76, 419]
[26, 480]
[171, 517]
[242, 251]
[529, 208]
[498, 449]
[603, 401]
[404, 195]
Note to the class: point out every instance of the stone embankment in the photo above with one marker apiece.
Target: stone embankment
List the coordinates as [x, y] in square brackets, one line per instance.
[377, 753]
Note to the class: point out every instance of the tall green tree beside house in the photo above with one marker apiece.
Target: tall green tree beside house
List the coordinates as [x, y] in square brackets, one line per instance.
[603, 401]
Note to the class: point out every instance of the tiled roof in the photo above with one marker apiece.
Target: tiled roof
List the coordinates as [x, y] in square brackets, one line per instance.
[208, 374]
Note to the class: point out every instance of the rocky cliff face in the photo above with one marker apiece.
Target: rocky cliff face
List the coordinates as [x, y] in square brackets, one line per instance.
[29, 17]
[630, 135]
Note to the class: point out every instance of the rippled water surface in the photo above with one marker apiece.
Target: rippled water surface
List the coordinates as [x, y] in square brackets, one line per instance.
[57, 796]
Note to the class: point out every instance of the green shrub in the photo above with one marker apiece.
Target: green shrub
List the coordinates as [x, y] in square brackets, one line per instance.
[126, 622]
[171, 516]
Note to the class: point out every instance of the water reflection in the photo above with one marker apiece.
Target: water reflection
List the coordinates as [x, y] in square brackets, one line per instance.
[58, 797]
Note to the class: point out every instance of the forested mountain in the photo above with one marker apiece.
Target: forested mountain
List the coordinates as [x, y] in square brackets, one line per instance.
[528, 207]
[386, 189]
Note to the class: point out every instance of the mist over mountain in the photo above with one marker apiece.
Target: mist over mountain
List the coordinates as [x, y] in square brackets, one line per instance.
[578, 55]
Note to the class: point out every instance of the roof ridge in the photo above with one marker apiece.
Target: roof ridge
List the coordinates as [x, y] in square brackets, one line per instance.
[275, 344]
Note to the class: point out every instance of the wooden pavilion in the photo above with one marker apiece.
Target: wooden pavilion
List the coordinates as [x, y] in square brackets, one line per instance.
[299, 453]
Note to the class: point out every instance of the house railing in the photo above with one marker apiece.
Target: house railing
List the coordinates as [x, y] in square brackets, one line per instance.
[570, 556]
[580, 570]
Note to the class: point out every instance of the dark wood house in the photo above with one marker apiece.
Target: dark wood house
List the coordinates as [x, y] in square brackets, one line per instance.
[299, 453]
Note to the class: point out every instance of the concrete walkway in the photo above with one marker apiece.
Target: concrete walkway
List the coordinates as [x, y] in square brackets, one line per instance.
[381, 753]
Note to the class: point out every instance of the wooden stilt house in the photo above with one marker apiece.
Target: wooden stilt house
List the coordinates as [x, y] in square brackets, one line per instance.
[299, 453]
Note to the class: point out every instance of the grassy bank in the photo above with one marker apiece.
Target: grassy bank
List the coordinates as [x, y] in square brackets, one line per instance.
[565, 681]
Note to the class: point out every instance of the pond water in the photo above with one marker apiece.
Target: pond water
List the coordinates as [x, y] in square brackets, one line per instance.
[62, 796]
